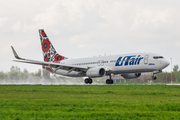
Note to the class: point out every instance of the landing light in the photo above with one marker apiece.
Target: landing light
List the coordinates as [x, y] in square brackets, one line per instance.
[106, 68]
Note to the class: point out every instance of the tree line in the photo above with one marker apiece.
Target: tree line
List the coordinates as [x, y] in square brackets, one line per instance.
[168, 76]
[16, 73]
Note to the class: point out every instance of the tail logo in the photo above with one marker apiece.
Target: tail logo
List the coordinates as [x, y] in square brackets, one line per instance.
[44, 34]
[49, 52]
[45, 45]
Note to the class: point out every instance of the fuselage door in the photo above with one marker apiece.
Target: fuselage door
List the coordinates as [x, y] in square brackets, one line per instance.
[146, 59]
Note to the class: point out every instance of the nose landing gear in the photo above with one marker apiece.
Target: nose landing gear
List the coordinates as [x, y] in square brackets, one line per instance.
[156, 72]
[154, 77]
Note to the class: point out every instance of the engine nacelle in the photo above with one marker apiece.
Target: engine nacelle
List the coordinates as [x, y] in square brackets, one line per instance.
[95, 72]
[131, 75]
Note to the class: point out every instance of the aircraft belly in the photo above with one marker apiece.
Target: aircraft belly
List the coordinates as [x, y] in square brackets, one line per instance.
[132, 69]
[70, 74]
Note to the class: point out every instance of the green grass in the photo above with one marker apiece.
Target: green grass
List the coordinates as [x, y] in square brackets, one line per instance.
[93, 102]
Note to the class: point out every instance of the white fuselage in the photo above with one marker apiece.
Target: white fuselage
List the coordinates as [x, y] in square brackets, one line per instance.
[118, 64]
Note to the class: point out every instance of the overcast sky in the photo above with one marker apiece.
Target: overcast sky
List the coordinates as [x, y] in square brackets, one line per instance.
[85, 28]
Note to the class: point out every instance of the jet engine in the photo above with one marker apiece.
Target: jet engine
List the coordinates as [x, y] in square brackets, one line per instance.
[95, 72]
[131, 75]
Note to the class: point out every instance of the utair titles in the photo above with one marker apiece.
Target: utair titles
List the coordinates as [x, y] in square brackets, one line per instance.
[128, 60]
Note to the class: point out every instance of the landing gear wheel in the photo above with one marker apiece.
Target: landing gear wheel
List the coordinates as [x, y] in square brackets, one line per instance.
[154, 77]
[109, 81]
[88, 81]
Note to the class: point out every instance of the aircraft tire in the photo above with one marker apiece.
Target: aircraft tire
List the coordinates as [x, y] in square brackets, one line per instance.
[86, 80]
[109, 81]
[90, 81]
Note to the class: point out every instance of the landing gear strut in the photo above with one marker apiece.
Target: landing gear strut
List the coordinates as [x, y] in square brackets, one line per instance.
[155, 72]
[109, 81]
[88, 81]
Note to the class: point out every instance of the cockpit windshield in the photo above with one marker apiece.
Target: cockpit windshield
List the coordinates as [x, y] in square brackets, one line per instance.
[158, 57]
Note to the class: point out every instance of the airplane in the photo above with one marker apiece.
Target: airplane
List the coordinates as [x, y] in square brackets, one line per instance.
[129, 66]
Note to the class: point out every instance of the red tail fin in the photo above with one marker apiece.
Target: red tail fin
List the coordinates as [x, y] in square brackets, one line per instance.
[49, 52]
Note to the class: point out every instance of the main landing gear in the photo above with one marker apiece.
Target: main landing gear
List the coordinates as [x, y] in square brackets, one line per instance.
[109, 81]
[88, 81]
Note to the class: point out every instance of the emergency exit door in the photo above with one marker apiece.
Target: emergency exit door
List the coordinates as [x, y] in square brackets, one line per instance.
[146, 59]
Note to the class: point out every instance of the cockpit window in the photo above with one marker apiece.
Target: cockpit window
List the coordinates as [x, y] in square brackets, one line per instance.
[157, 57]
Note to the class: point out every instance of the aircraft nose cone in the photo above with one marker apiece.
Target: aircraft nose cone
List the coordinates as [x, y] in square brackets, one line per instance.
[166, 63]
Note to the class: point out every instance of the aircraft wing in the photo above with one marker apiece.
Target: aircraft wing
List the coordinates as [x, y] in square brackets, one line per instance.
[53, 65]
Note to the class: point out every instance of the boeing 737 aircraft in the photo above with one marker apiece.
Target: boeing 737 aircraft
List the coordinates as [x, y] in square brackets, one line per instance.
[128, 65]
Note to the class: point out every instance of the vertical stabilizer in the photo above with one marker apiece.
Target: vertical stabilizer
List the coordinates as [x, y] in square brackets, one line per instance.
[49, 53]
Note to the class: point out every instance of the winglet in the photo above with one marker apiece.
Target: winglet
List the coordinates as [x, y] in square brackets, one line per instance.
[15, 54]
